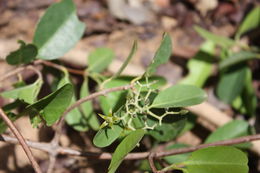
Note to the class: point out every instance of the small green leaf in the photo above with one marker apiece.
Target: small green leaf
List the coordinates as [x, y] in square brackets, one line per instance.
[3, 125]
[87, 108]
[217, 39]
[58, 30]
[53, 105]
[99, 59]
[233, 129]
[26, 93]
[106, 136]
[179, 96]
[221, 159]
[179, 157]
[231, 83]
[24, 55]
[237, 58]
[200, 66]
[251, 21]
[162, 55]
[126, 146]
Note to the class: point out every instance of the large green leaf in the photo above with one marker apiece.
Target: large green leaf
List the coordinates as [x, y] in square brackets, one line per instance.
[217, 39]
[26, 93]
[251, 21]
[53, 105]
[231, 83]
[99, 59]
[58, 30]
[179, 96]
[221, 159]
[238, 58]
[106, 136]
[25, 54]
[127, 145]
[200, 66]
[162, 55]
[233, 129]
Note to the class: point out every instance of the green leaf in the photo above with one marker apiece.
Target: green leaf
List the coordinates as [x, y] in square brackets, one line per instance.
[130, 56]
[58, 30]
[162, 55]
[217, 39]
[231, 83]
[179, 96]
[237, 58]
[126, 146]
[248, 94]
[200, 66]
[53, 105]
[99, 59]
[221, 159]
[87, 108]
[24, 55]
[106, 136]
[169, 129]
[233, 129]
[179, 157]
[26, 93]
[3, 125]
[251, 21]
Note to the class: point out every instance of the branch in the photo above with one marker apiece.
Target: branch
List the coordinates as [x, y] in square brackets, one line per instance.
[47, 147]
[21, 140]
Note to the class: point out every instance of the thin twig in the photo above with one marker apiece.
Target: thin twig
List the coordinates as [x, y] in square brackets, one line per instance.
[60, 67]
[151, 162]
[21, 141]
[51, 164]
[132, 156]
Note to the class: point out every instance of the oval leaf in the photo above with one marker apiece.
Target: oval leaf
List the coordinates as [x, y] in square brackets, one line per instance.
[237, 58]
[234, 129]
[231, 83]
[179, 96]
[58, 30]
[221, 159]
[162, 55]
[99, 59]
[107, 136]
[127, 145]
[52, 106]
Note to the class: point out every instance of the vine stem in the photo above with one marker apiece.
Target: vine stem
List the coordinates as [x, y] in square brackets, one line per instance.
[47, 147]
[21, 140]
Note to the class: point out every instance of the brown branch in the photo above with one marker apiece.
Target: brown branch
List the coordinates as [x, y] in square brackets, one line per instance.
[47, 147]
[21, 141]
[60, 67]
[20, 69]
[151, 162]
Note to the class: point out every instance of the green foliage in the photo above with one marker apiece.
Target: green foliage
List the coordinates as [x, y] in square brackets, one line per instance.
[219, 40]
[200, 66]
[231, 83]
[238, 58]
[251, 21]
[233, 129]
[26, 93]
[24, 55]
[51, 107]
[162, 55]
[107, 135]
[127, 145]
[58, 30]
[220, 159]
[99, 59]
[179, 96]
